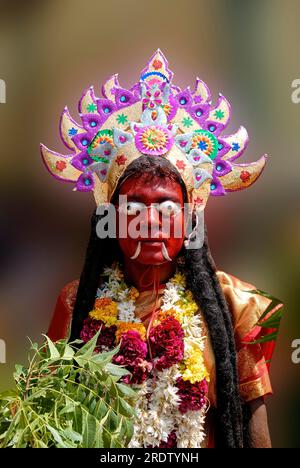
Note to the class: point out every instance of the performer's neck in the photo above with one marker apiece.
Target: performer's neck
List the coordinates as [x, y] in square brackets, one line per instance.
[145, 277]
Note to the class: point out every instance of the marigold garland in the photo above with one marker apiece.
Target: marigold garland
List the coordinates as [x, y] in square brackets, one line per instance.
[168, 371]
[123, 327]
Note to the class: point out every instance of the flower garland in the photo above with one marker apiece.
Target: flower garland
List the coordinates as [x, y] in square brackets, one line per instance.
[168, 369]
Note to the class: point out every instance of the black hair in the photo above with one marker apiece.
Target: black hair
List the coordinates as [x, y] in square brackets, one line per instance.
[231, 418]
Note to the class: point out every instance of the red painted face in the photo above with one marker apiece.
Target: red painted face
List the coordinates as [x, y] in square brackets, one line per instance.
[154, 234]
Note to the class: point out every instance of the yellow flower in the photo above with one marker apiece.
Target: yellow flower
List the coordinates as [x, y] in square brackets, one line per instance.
[105, 309]
[179, 279]
[195, 369]
[188, 306]
[163, 314]
[106, 306]
[123, 327]
[108, 319]
[133, 293]
[189, 296]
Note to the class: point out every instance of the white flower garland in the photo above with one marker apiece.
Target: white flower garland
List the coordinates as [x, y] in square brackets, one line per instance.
[158, 403]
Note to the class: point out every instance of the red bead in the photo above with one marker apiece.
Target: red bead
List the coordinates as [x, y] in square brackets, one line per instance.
[157, 64]
[245, 176]
[60, 165]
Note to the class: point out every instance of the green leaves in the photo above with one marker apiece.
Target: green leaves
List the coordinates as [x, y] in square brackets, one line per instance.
[273, 320]
[67, 398]
[54, 354]
[86, 352]
[89, 433]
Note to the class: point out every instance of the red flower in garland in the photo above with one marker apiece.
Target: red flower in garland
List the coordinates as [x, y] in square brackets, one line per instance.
[166, 341]
[132, 354]
[132, 348]
[140, 371]
[192, 395]
[107, 335]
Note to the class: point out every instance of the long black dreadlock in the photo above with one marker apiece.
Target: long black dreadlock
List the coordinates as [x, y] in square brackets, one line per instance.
[231, 416]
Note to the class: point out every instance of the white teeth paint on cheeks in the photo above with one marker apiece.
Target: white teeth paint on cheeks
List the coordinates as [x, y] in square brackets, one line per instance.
[137, 252]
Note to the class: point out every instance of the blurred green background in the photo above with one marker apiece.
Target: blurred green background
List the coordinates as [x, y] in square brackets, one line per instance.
[51, 51]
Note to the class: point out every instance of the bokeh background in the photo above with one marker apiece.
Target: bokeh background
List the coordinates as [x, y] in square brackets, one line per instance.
[51, 51]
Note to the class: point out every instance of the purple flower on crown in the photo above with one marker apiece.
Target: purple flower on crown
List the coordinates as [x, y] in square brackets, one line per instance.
[153, 99]
[153, 135]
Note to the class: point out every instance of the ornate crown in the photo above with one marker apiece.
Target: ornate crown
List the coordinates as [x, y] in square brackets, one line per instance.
[156, 118]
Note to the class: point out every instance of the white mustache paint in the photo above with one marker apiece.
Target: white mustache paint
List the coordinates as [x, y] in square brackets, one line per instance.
[165, 252]
[137, 252]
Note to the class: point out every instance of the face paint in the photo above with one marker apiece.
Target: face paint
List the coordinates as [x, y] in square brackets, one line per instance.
[155, 208]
